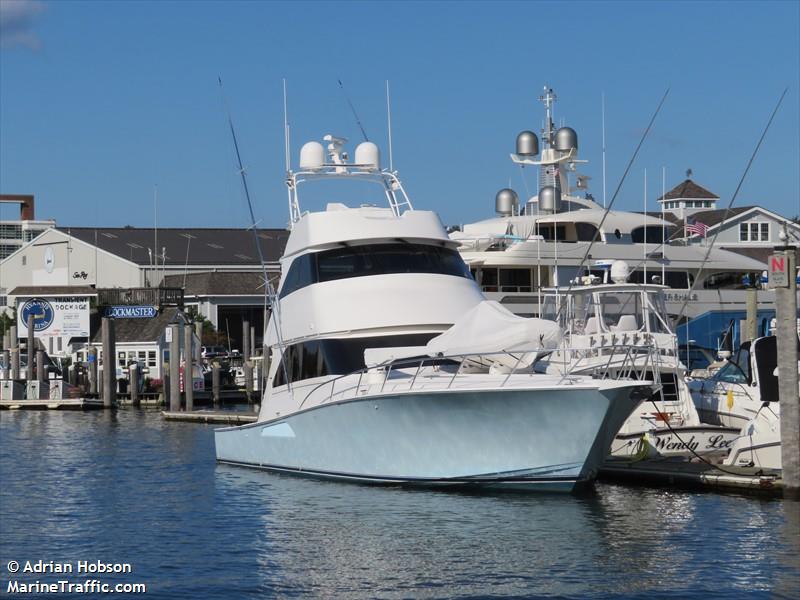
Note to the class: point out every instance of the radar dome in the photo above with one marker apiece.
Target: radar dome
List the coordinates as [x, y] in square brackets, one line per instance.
[566, 139]
[312, 156]
[620, 271]
[549, 199]
[506, 202]
[527, 144]
[368, 156]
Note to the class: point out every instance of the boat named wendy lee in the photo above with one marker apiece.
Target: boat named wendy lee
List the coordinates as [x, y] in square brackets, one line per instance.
[388, 365]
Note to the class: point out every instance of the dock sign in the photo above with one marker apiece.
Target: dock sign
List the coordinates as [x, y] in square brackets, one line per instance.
[130, 312]
[779, 266]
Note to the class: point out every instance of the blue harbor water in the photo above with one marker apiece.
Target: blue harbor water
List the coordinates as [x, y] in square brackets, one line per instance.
[127, 487]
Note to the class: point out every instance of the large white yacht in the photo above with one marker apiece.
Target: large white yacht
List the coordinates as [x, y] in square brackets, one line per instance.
[561, 233]
[388, 365]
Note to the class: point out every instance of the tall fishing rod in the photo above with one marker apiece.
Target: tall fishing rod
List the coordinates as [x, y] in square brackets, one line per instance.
[730, 205]
[353, 109]
[617, 190]
[269, 288]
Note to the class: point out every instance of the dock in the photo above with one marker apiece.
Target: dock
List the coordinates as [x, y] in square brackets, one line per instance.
[694, 475]
[53, 404]
[223, 417]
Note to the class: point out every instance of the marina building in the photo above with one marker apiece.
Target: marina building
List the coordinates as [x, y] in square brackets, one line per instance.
[212, 272]
[220, 267]
[752, 231]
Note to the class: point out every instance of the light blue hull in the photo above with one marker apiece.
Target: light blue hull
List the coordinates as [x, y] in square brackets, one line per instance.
[543, 439]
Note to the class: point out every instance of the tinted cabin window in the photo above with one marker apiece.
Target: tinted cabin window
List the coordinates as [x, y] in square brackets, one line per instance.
[373, 259]
[549, 233]
[302, 272]
[336, 356]
[586, 232]
[655, 234]
[515, 280]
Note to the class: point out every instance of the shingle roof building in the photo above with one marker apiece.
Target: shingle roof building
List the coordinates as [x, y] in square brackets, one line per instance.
[190, 246]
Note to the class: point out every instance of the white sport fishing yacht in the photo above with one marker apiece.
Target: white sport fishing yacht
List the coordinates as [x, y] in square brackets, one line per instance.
[548, 242]
[621, 329]
[388, 365]
[743, 393]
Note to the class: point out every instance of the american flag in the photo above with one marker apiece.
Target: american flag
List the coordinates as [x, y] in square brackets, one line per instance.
[695, 227]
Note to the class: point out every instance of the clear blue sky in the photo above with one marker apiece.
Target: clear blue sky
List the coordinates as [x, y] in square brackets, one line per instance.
[99, 101]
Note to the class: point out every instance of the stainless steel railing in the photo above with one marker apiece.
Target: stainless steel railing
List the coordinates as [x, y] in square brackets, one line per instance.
[622, 362]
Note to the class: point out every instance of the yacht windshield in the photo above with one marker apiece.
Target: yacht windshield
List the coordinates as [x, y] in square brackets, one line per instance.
[737, 369]
[621, 311]
[372, 259]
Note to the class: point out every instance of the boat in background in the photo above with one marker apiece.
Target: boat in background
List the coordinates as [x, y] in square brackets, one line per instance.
[387, 364]
[621, 330]
[562, 234]
[743, 393]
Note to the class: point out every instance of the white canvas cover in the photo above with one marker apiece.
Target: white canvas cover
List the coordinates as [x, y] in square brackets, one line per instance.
[488, 328]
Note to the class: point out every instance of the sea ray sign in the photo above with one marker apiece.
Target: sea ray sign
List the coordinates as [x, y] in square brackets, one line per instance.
[130, 312]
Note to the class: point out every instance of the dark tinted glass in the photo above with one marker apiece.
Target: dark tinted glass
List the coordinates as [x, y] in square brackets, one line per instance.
[302, 272]
[373, 259]
[337, 356]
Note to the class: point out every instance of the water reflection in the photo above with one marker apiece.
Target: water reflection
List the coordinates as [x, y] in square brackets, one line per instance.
[128, 486]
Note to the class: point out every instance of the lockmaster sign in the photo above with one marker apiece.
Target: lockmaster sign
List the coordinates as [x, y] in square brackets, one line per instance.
[62, 316]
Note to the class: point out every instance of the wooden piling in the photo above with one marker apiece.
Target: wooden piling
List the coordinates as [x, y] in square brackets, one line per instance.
[165, 383]
[198, 331]
[175, 367]
[246, 340]
[215, 383]
[750, 331]
[248, 380]
[6, 364]
[29, 372]
[133, 378]
[14, 352]
[188, 370]
[41, 372]
[786, 332]
[252, 340]
[92, 358]
[109, 363]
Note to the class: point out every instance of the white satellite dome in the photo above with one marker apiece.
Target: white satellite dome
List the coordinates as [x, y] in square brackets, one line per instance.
[368, 155]
[312, 156]
[620, 271]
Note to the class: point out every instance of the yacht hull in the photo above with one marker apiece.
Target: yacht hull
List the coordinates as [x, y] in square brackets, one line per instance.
[519, 439]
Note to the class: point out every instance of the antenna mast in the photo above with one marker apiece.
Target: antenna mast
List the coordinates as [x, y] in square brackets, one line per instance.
[603, 104]
[389, 125]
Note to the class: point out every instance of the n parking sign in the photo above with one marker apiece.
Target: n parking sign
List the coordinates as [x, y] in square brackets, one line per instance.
[779, 266]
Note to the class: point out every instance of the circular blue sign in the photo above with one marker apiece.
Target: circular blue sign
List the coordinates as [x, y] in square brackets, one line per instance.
[42, 312]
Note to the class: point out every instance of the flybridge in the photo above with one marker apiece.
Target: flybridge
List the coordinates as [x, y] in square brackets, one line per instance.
[365, 167]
